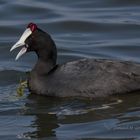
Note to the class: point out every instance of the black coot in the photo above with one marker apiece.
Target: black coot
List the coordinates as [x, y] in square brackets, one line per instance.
[82, 78]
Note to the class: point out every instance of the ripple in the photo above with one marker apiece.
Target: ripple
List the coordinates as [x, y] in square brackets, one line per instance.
[104, 129]
[8, 77]
[11, 126]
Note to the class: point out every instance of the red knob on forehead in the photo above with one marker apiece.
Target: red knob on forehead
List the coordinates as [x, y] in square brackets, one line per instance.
[32, 26]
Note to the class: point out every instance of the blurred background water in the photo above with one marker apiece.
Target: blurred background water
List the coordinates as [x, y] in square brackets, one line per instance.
[81, 29]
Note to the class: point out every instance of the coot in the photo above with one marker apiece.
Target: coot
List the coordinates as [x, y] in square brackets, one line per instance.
[80, 78]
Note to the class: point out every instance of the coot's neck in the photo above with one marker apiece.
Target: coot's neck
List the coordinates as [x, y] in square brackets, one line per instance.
[46, 61]
[43, 67]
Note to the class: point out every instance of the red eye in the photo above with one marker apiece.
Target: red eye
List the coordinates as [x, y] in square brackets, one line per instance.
[32, 26]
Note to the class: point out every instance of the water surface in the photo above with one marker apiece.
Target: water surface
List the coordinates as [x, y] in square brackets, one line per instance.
[81, 29]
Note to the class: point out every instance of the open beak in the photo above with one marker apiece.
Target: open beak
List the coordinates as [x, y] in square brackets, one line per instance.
[21, 43]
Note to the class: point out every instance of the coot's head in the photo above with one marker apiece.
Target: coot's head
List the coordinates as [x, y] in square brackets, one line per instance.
[34, 39]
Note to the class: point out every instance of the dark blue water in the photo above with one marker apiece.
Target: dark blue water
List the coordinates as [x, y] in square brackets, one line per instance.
[81, 29]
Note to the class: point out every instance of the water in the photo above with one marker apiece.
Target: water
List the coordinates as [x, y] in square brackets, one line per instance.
[82, 28]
